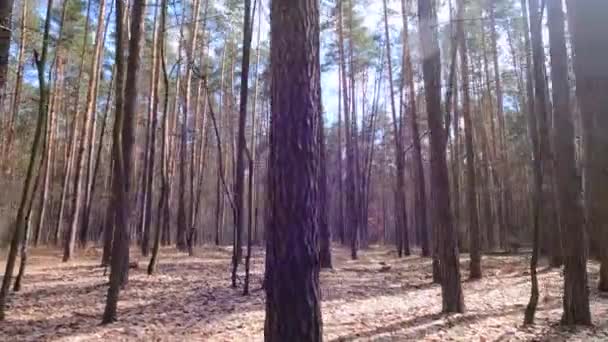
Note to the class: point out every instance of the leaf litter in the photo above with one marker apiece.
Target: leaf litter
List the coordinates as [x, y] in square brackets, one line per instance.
[378, 297]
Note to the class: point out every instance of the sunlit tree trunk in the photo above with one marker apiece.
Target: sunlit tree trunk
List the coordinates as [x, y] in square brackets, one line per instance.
[26, 195]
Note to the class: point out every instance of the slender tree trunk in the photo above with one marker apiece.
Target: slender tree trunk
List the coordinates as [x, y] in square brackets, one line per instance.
[474, 234]
[400, 198]
[28, 219]
[151, 144]
[5, 34]
[443, 226]
[340, 228]
[20, 221]
[219, 209]
[81, 183]
[161, 213]
[108, 221]
[239, 182]
[49, 154]
[123, 133]
[351, 204]
[252, 206]
[6, 15]
[538, 145]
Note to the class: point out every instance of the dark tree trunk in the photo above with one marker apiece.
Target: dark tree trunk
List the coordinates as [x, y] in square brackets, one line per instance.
[588, 27]
[239, 182]
[29, 221]
[162, 217]
[442, 222]
[123, 145]
[293, 308]
[576, 292]
[537, 145]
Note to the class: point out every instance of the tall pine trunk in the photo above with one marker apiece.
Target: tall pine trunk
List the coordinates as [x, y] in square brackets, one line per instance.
[471, 185]
[443, 226]
[588, 27]
[400, 198]
[293, 308]
[239, 182]
[123, 144]
[576, 292]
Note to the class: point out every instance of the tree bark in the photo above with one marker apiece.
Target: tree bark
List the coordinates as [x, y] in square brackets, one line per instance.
[590, 46]
[576, 292]
[123, 138]
[443, 226]
[293, 308]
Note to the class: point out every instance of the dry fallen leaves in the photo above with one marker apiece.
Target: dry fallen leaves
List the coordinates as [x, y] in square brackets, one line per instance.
[378, 297]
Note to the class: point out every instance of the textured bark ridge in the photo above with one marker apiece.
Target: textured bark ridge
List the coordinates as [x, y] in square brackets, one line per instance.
[293, 311]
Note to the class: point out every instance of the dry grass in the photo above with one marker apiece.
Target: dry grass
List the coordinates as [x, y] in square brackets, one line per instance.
[190, 299]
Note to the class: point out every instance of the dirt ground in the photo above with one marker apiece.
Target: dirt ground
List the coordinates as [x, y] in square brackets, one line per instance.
[378, 297]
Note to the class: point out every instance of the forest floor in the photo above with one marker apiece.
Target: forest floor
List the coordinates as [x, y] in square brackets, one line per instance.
[378, 297]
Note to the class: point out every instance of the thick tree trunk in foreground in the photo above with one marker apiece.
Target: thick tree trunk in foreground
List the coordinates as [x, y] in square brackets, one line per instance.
[443, 226]
[588, 27]
[293, 308]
